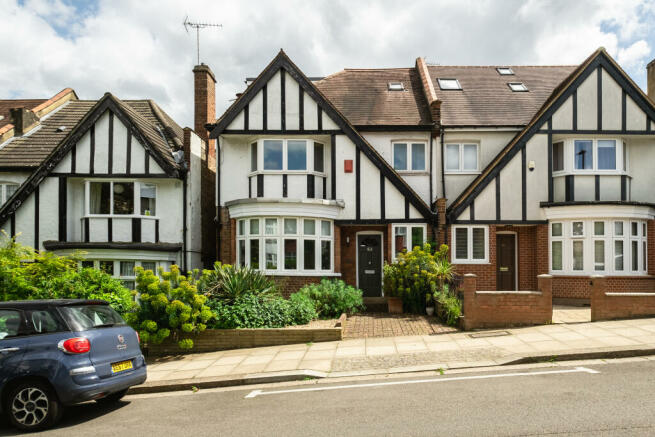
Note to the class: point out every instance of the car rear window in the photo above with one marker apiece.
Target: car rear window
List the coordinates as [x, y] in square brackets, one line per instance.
[9, 323]
[85, 317]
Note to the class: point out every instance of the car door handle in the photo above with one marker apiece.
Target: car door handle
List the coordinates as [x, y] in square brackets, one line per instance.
[9, 349]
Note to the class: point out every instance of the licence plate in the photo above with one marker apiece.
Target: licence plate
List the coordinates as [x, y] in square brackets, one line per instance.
[121, 366]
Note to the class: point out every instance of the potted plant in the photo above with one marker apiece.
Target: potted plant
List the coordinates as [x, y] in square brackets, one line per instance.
[429, 302]
[394, 304]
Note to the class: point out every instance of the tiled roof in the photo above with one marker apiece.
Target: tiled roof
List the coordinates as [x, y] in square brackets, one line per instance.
[30, 150]
[6, 105]
[364, 98]
[487, 100]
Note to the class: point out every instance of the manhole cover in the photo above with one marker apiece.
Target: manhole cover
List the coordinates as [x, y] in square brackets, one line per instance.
[489, 334]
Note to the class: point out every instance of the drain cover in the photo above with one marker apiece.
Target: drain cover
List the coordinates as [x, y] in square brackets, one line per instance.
[489, 334]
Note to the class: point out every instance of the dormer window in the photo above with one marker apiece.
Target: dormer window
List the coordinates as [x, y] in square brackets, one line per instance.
[505, 71]
[449, 84]
[395, 86]
[517, 87]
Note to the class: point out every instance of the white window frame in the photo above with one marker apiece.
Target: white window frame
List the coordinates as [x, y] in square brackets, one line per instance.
[557, 238]
[396, 86]
[409, 144]
[518, 87]
[505, 71]
[299, 236]
[3, 191]
[408, 239]
[460, 146]
[137, 198]
[309, 157]
[622, 159]
[117, 266]
[609, 238]
[469, 251]
[440, 83]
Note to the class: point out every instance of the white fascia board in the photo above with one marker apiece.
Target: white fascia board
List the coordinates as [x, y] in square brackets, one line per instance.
[643, 212]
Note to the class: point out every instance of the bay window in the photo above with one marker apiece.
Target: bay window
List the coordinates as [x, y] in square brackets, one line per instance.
[589, 155]
[462, 158]
[407, 237]
[121, 198]
[283, 245]
[124, 270]
[287, 155]
[598, 246]
[409, 156]
[470, 244]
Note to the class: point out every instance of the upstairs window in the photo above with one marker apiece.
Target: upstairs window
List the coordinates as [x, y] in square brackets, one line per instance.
[273, 157]
[449, 84]
[462, 158]
[297, 155]
[253, 157]
[121, 198]
[505, 71]
[395, 86]
[558, 156]
[6, 191]
[409, 156]
[287, 155]
[318, 157]
[584, 156]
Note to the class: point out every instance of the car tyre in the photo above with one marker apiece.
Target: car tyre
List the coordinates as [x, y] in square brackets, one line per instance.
[112, 398]
[33, 406]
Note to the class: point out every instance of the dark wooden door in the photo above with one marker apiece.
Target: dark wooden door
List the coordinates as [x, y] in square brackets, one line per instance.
[369, 267]
[505, 262]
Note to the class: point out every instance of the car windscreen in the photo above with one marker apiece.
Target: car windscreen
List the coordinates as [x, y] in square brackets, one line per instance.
[85, 317]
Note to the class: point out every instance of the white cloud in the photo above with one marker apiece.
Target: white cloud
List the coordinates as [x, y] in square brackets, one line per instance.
[140, 49]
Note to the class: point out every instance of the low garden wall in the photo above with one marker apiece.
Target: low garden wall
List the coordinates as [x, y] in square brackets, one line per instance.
[499, 309]
[607, 303]
[221, 339]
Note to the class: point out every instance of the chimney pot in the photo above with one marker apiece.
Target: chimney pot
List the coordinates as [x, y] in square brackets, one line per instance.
[650, 79]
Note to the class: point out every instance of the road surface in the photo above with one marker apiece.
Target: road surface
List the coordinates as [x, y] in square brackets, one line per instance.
[590, 400]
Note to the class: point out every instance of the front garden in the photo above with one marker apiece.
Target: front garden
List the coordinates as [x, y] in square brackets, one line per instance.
[172, 307]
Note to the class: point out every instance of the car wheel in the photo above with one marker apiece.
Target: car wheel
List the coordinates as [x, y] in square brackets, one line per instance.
[32, 406]
[112, 398]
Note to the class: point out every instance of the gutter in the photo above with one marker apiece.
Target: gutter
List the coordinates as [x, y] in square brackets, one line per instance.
[217, 218]
[443, 174]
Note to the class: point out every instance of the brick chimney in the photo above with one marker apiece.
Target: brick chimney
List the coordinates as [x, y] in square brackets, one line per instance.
[204, 97]
[650, 79]
[23, 120]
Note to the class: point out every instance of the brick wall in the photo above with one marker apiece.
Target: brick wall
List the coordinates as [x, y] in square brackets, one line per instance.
[290, 284]
[498, 309]
[227, 250]
[579, 287]
[485, 273]
[620, 304]
[348, 251]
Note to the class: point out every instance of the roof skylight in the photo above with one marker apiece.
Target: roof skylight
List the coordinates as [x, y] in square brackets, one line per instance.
[505, 71]
[449, 84]
[395, 86]
[517, 86]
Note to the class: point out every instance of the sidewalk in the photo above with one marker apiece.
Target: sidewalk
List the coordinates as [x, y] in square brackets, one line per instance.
[403, 354]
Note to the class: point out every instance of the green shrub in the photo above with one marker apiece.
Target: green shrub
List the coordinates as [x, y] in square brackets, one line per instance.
[170, 305]
[417, 273]
[450, 306]
[50, 276]
[256, 311]
[333, 297]
[227, 283]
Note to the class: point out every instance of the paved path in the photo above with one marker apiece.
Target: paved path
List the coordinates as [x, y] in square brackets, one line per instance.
[571, 314]
[411, 353]
[366, 325]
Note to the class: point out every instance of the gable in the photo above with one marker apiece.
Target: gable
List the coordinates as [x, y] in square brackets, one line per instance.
[598, 98]
[282, 100]
[108, 148]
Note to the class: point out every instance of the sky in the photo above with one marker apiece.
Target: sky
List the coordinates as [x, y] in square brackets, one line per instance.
[140, 49]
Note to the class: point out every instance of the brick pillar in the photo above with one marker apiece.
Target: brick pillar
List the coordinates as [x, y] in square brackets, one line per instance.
[598, 287]
[441, 211]
[468, 307]
[545, 285]
[542, 249]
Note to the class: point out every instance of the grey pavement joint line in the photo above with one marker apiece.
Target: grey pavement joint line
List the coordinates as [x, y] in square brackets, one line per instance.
[256, 393]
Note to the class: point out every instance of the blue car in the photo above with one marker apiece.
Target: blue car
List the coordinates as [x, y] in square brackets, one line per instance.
[55, 353]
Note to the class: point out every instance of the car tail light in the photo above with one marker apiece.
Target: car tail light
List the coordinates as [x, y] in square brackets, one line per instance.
[77, 345]
[138, 337]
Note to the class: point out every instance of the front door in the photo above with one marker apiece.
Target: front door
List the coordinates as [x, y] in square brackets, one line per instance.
[369, 264]
[506, 262]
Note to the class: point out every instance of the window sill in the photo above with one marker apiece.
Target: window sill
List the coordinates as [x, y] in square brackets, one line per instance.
[299, 273]
[287, 172]
[413, 172]
[468, 261]
[471, 172]
[120, 216]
